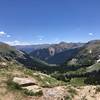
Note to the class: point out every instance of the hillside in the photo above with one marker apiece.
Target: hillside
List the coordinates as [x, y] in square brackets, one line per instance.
[61, 57]
[22, 76]
[94, 68]
[30, 48]
[84, 54]
[54, 51]
[7, 52]
[10, 54]
[89, 53]
[20, 83]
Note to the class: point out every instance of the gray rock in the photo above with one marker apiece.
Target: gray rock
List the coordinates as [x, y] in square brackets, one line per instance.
[24, 81]
[34, 88]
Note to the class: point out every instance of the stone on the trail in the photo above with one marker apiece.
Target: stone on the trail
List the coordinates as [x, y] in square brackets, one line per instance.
[3, 64]
[34, 88]
[24, 81]
[56, 93]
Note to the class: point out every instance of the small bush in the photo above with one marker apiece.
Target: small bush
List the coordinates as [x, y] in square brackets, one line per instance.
[83, 98]
[67, 98]
[13, 86]
[72, 92]
[97, 89]
[30, 93]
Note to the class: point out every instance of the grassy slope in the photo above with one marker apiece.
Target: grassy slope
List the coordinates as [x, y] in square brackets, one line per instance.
[95, 67]
[11, 71]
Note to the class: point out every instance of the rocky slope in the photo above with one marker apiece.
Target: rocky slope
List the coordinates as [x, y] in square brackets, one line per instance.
[10, 54]
[30, 48]
[20, 83]
[61, 57]
[49, 54]
[17, 82]
[89, 53]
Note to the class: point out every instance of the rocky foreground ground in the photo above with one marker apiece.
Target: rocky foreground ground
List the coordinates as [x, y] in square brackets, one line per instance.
[54, 93]
[39, 86]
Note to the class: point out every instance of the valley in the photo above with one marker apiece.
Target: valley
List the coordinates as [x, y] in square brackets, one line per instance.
[24, 76]
[49, 49]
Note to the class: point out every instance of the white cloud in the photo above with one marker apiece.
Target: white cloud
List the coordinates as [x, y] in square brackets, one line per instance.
[8, 36]
[56, 40]
[2, 33]
[40, 37]
[16, 42]
[91, 34]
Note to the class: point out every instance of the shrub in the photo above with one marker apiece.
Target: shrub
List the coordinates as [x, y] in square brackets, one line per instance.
[13, 86]
[97, 89]
[72, 92]
[30, 93]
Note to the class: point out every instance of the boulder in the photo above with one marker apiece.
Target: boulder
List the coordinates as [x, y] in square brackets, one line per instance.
[34, 88]
[3, 64]
[24, 81]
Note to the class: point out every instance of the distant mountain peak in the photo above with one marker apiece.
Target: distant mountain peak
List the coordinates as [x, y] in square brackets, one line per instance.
[62, 42]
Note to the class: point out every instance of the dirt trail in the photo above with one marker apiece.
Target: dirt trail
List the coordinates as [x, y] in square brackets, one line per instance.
[87, 93]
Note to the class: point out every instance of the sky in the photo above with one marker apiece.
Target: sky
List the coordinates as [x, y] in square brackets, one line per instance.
[25, 22]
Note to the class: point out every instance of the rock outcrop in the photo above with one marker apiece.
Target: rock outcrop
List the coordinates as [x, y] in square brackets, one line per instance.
[24, 81]
[28, 84]
[33, 88]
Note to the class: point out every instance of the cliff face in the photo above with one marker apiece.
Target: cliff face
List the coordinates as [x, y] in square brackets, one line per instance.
[53, 50]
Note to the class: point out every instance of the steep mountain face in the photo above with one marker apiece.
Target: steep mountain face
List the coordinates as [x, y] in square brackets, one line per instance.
[20, 83]
[61, 57]
[47, 54]
[10, 54]
[89, 53]
[30, 48]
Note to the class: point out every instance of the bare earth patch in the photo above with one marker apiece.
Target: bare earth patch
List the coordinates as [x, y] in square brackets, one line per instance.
[87, 93]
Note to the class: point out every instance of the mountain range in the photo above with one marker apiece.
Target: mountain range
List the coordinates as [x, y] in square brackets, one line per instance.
[61, 57]
[48, 52]
[65, 52]
[74, 65]
[30, 48]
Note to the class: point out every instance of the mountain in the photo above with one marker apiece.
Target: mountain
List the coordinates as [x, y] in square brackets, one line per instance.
[22, 83]
[70, 53]
[30, 48]
[9, 54]
[61, 57]
[47, 54]
[73, 53]
[94, 67]
[89, 53]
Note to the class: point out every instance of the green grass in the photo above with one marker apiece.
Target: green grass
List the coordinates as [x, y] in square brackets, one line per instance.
[97, 89]
[30, 93]
[95, 67]
[47, 81]
[67, 97]
[78, 71]
[72, 92]
[77, 81]
[12, 86]
[43, 80]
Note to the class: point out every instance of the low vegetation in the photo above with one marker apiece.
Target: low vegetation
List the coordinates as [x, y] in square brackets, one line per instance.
[72, 92]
